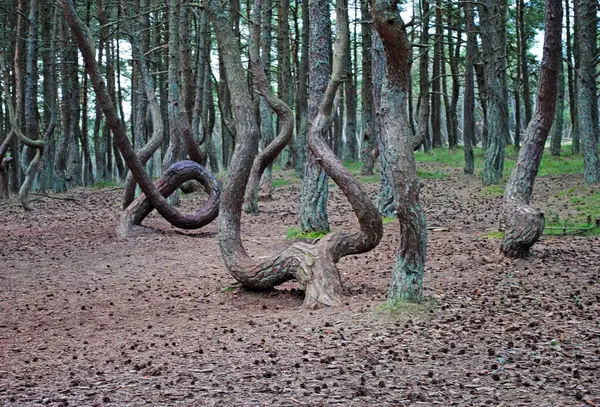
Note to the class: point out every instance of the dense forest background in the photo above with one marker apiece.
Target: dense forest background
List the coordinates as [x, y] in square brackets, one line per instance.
[44, 81]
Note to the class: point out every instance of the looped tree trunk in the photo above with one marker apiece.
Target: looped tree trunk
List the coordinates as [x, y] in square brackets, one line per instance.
[172, 179]
[314, 266]
[83, 37]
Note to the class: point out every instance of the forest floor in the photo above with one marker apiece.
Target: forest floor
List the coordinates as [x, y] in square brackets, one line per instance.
[87, 319]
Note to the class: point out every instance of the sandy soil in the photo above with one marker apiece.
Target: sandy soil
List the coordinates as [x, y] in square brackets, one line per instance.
[87, 319]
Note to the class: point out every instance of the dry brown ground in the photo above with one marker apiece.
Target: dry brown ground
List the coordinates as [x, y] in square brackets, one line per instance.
[90, 320]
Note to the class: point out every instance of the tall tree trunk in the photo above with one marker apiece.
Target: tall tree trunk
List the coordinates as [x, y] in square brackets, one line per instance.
[524, 31]
[557, 127]
[350, 108]
[436, 89]
[454, 51]
[423, 105]
[385, 197]
[524, 224]
[586, 88]
[573, 57]
[469, 93]
[397, 141]
[302, 94]
[284, 68]
[366, 93]
[313, 202]
[493, 42]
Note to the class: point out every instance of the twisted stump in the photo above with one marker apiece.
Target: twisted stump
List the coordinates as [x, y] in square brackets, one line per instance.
[523, 227]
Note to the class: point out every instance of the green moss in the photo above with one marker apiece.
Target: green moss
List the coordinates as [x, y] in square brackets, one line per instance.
[297, 233]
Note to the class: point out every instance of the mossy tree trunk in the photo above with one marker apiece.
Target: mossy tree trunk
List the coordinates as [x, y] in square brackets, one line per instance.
[407, 274]
[524, 224]
[312, 265]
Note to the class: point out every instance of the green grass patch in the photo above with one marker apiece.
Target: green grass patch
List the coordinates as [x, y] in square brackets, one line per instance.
[387, 220]
[401, 310]
[495, 235]
[430, 174]
[370, 179]
[105, 184]
[492, 190]
[297, 233]
[280, 182]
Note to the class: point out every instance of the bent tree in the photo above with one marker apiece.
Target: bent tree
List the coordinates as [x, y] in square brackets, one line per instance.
[524, 224]
[153, 194]
[397, 143]
[313, 266]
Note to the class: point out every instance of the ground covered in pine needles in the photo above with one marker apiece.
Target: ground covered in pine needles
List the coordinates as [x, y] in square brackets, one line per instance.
[87, 319]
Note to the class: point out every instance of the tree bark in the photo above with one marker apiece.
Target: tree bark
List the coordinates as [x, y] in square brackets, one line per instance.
[423, 105]
[524, 224]
[436, 89]
[407, 275]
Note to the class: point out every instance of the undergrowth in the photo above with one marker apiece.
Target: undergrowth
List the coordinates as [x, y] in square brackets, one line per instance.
[297, 233]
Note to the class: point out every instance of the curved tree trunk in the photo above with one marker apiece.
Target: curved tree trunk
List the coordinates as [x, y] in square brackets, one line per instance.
[83, 38]
[284, 113]
[524, 224]
[312, 265]
[407, 275]
[144, 153]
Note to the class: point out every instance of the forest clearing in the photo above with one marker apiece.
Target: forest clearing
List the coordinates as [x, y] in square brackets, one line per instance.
[90, 319]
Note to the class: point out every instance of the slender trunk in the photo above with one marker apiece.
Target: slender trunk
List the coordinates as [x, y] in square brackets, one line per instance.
[525, 62]
[313, 201]
[397, 141]
[493, 42]
[573, 57]
[524, 224]
[423, 105]
[366, 93]
[557, 127]
[469, 93]
[302, 95]
[350, 108]
[436, 95]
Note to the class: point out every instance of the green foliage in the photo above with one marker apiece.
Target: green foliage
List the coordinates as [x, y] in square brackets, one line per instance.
[297, 233]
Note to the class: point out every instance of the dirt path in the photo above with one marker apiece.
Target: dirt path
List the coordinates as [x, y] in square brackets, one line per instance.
[89, 320]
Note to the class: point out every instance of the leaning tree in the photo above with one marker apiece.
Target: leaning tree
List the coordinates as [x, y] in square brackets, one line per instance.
[153, 196]
[525, 224]
[313, 266]
[398, 144]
